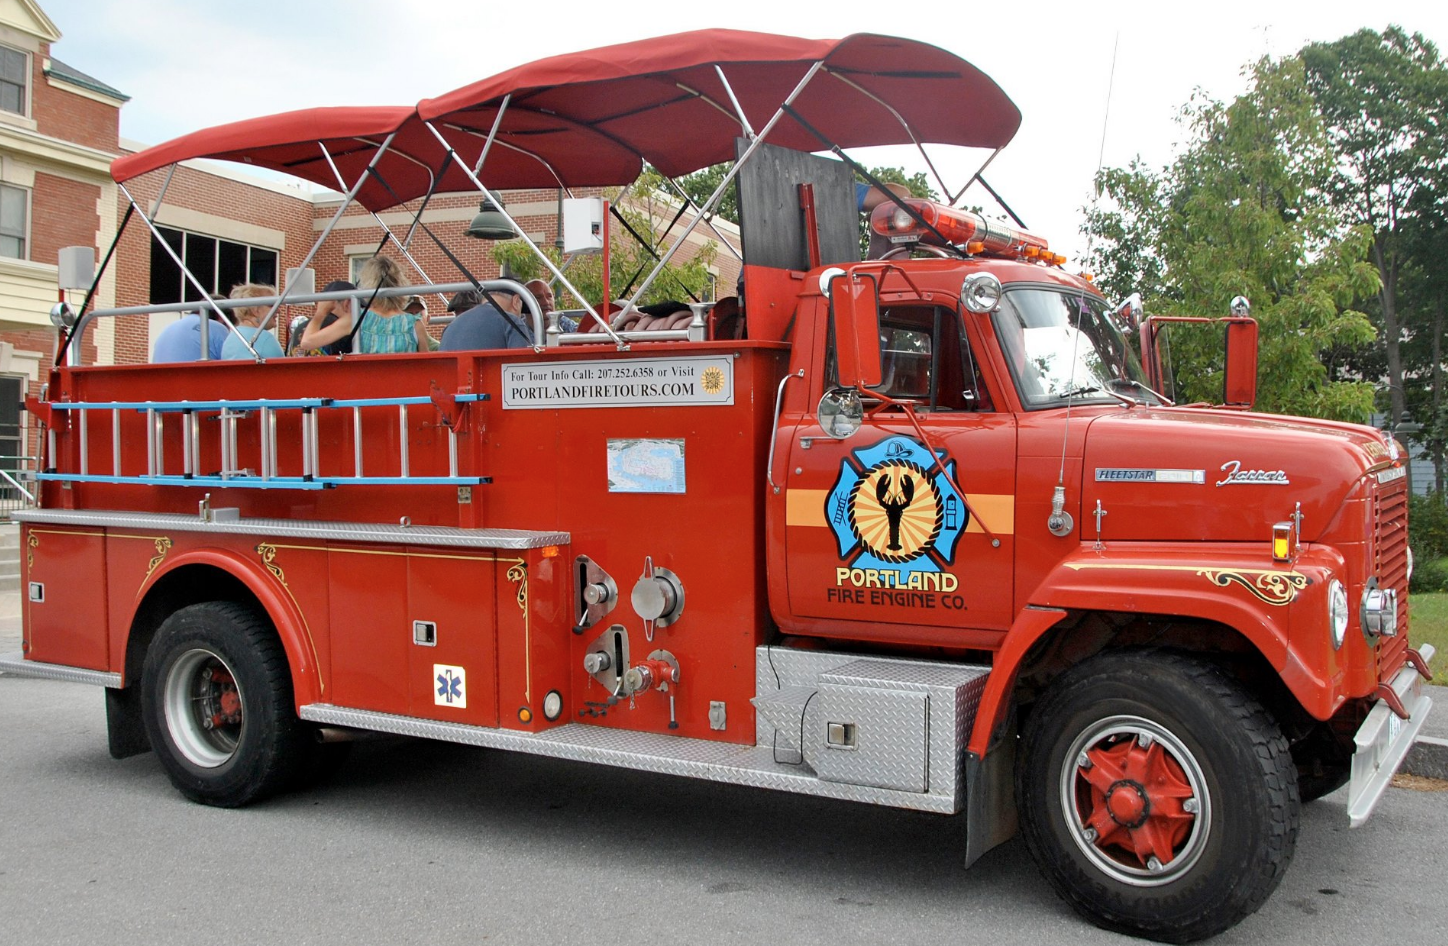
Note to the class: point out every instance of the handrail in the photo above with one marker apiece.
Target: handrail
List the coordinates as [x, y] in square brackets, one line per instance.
[29, 496]
[510, 285]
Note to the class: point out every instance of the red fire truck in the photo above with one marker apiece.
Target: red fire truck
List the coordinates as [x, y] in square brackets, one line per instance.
[915, 530]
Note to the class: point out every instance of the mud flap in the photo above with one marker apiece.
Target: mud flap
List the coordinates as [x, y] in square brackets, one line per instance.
[990, 797]
[124, 728]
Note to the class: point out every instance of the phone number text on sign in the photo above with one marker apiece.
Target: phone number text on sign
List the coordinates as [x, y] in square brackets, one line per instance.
[633, 382]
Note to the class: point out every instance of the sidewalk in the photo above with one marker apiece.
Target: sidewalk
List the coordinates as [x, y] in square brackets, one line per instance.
[9, 622]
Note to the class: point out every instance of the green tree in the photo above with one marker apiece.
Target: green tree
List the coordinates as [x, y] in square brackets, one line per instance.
[645, 208]
[1242, 212]
[1383, 98]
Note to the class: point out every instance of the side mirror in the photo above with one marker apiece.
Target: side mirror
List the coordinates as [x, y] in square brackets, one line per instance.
[841, 412]
[855, 308]
[1239, 382]
[1129, 310]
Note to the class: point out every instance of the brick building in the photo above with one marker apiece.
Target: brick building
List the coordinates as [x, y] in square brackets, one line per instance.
[59, 131]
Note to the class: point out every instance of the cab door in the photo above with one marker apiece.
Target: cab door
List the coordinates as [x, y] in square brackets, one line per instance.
[882, 541]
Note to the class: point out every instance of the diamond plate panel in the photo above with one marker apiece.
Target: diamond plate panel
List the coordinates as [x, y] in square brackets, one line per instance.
[954, 691]
[448, 536]
[648, 752]
[785, 711]
[889, 736]
[16, 665]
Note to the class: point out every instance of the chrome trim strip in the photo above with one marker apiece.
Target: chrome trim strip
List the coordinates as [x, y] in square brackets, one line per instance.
[1379, 749]
[647, 752]
[15, 664]
[301, 529]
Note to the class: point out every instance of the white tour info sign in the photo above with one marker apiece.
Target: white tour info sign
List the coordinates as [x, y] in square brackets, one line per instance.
[625, 382]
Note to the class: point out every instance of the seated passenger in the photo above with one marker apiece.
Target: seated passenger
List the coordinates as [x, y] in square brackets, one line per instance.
[181, 340]
[385, 328]
[328, 313]
[544, 294]
[483, 326]
[248, 325]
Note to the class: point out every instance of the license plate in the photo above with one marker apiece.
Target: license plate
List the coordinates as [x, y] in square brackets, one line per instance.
[1395, 726]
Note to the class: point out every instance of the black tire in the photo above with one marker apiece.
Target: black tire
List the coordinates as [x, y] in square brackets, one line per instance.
[1217, 794]
[216, 695]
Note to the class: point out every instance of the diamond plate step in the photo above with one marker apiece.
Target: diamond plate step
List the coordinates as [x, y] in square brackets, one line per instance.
[784, 710]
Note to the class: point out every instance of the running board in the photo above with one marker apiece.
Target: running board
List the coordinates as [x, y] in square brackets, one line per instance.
[16, 665]
[754, 766]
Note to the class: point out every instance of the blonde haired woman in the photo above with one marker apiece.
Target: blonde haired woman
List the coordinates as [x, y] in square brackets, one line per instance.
[248, 325]
[385, 327]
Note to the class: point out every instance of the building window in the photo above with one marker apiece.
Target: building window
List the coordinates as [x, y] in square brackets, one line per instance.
[219, 265]
[14, 203]
[14, 75]
[354, 267]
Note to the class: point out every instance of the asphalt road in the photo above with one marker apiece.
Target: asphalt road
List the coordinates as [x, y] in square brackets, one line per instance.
[428, 843]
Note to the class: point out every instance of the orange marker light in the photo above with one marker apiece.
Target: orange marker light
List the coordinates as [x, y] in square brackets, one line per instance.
[549, 551]
[1282, 542]
[525, 715]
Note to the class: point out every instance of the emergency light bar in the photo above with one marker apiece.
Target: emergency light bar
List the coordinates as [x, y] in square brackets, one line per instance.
[965, 230]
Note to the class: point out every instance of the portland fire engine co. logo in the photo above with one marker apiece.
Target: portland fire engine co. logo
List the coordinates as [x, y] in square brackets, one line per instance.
[897, 520]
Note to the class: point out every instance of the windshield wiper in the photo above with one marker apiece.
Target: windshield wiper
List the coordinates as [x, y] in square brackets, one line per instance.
[1137, 385]
[1078, 392]
[1094, 389]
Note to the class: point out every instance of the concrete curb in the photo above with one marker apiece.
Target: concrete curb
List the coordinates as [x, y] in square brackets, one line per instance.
[1428, 758]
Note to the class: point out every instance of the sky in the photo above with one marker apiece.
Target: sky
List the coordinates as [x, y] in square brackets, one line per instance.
[189, 64]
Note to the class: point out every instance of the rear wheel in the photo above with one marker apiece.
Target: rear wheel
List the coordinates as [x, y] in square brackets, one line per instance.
[217, 700]
[1157, 797]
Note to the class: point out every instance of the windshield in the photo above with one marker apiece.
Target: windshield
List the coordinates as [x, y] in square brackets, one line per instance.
[1062, 345]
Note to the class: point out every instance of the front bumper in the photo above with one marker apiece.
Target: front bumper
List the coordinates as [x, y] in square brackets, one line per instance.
[1384, 739]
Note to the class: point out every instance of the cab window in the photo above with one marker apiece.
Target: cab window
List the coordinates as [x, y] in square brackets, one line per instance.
[925, 359]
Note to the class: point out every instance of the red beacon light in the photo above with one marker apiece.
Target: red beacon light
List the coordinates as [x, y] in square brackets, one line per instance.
[961, 228]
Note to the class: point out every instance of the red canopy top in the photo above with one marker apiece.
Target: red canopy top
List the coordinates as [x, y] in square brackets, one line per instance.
[662, 100]
[592, 118]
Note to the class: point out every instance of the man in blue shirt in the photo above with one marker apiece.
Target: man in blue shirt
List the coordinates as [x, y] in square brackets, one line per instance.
[181, 340]
[483, 326]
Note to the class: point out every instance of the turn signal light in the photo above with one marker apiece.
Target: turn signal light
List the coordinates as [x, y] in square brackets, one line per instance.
[1282, 542]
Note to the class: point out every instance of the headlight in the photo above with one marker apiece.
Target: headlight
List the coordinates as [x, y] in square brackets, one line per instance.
[1337, 612]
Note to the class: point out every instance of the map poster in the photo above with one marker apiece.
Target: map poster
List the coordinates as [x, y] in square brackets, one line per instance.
[645, 466]
[620, 382]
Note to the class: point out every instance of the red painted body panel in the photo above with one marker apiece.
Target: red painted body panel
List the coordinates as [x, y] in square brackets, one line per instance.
[345, 611]
[66, 627]
[548, 472]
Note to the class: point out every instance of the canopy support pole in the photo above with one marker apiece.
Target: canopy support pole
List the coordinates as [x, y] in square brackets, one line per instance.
[728, 178]
[743, 119]
[205, 296]
[161, 196]
[557, 273]
[403, 247]
[914, 139]
[979, 171]
[492, 135]
[327, 231]
[708, 220]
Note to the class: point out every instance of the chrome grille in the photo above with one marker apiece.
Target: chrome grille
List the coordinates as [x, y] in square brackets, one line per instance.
[1390, 565]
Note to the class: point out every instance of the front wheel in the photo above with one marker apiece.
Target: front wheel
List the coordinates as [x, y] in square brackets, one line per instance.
[216, 696]
[1157, 797]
